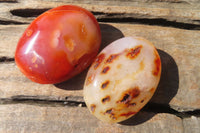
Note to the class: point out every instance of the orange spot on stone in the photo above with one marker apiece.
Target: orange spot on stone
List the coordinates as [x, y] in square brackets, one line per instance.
[141, 65]
[98, 60]
[29, 32]
[69, 43]
[105, 84]
[119, 66]
[92, 107]
[126, 99]
[129, 95]
[110, 112]
[111, 58]
[83, 31]
[105, 70]
[134, 52]
[135, 92]
[105, 99]
[152, 90]
[157, 63]
[90, 79]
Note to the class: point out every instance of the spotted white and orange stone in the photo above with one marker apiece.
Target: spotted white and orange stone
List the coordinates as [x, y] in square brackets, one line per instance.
[122, 79]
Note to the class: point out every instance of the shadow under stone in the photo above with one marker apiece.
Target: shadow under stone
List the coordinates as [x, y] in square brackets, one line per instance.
[169, 81]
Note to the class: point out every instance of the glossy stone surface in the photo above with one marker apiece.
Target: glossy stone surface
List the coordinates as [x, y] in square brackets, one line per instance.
[122, 79]
[58, 44]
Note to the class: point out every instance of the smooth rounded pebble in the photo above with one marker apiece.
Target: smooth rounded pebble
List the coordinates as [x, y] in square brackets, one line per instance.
[122, 79]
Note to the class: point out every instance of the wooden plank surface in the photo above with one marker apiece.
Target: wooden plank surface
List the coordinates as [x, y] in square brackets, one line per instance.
[178, 48]
[184, 11]
[40, 119]
[172, 25]
[30, 118]
[192, 124]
